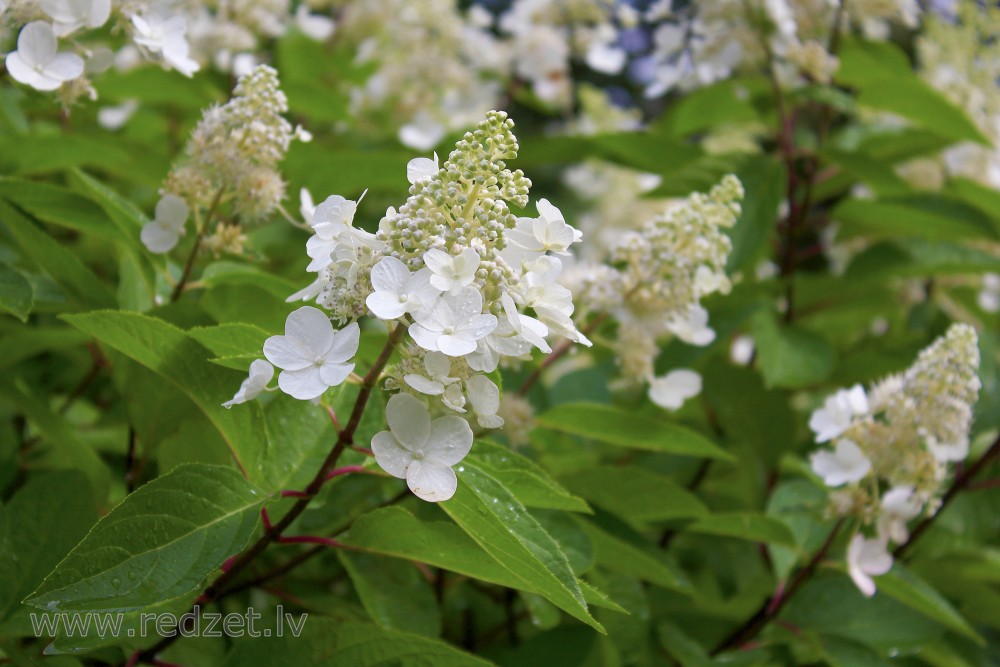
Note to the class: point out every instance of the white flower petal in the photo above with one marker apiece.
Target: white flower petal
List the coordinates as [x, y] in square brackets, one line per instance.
[36, 44]
[449, 442]
[157, 238]
[455, 346]
[172, 212]
[431, 482]
[846, 464]
[313, 329]
[304, 384]
[333, 374]
[390, 455]
[671, 390]
[423, 385]
[421, 169]
[64, 67]
[409, 421]
[385, 305]
[345, 343]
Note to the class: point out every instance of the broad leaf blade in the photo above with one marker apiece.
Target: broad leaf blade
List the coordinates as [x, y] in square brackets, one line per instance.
[161, 542]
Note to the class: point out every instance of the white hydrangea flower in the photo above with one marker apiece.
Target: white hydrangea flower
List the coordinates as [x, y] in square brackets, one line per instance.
[421, 451]
[742, 349]
[71, 15]
[692, 326]
[989, 293]
[37, 63]
[114, 117]
[899, 505]
[546, 233]
[421, 169]
[311, 354]
[485, 398]
[452, 274]
[313, 26]
[453, 324]
[397, 291]
[306, 206]
[524, 326]
[866, 559]
[837, 413]
[261, 373]
[845, 464]
[438, 367]
[165, 36]
[161, 235]
[671, 390]
[605, 58]
[331, 221]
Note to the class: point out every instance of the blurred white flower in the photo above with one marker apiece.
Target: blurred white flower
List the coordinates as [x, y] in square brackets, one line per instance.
[605, 58]
[452, 273]
[741, 351]
[70, 15]
[421, 451]
[899, 505]
[261, 373]
[453, 324]
[306, 206]
[397, 291]
[865, 559]
[161, 235]
[115, 117]
[312, 354]
[166, 36]
[671, 390]
[989, 293]
[837, 413]
[36, 62]
[313, 26]
[692, 326]
[846, 463]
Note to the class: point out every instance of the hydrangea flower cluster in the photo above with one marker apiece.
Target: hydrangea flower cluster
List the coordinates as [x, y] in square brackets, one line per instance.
[232, 156]
[468, 282]
[654, 279]
[892, 446]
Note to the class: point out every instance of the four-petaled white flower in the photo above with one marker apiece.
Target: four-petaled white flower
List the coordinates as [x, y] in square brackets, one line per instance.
[331, 220]
[438, 367]
[397, 291]
[452, 274]
[671, 390]
[421, 451]
[899, 505]
[837, 413]
[71, 15]
[165, 35]
[845, 464]
[546, 233]
[453, 323]
[311, 354]
[162, 233]
[36, 62]
[866, 559]
[421, 169]
[261, 373]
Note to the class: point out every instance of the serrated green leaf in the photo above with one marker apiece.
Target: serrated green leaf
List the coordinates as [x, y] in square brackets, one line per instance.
[617, 554]
[636, 494]
[500, 524]
[161, 542]
[231, 339]
[525, 478]
[169, 352]
[623, 428]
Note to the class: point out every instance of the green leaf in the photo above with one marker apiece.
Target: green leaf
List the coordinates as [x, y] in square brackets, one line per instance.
[917, 594]
[634, 558]
[744, 526]
[231, 339]
[615, 426]
[394, 593]
[232, 273]
[790, 357]
[930, 217]
[863, 62]
[636, 494]
[59, 262]
[763, 181]
[707, 108]
[43, 521]
[169, 352]
[915, 100]
[70, 450]
[16, 294]
[161, 542]
[326, 642]
[918, 257]
[524, 478]
[501, 525]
